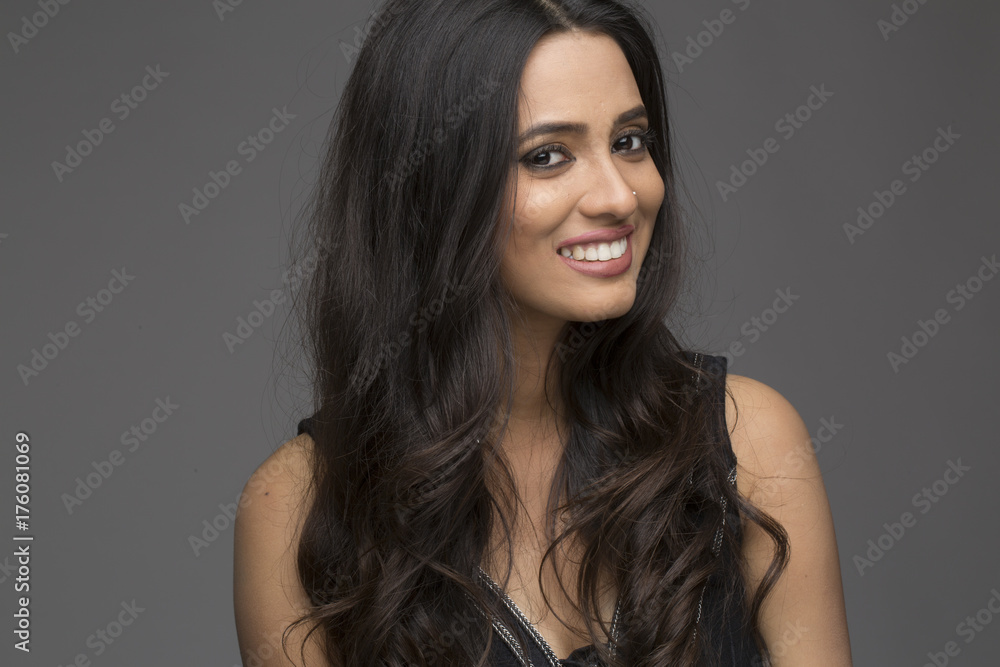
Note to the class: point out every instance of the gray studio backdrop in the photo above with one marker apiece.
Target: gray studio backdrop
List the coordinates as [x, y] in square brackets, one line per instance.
[841, 159]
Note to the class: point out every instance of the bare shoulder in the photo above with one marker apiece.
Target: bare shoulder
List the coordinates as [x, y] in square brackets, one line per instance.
[768, 436]
[267, 593]
[281, 482]
[803, 620]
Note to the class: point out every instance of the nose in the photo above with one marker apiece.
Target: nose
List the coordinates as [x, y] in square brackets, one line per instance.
[608, 193]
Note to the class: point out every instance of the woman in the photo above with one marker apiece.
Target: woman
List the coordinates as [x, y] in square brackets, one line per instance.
[511, 460]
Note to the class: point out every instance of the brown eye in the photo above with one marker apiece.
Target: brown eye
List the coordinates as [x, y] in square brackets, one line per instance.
[634, 141]
[544, 157]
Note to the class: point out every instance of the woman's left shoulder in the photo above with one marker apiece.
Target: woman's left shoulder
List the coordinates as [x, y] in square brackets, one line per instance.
[768, 436]
[778, 472]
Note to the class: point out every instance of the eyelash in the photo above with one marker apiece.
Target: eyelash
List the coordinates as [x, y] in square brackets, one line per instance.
[645, 136]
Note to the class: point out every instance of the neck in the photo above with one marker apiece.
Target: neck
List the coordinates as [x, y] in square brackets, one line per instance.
[536, 407]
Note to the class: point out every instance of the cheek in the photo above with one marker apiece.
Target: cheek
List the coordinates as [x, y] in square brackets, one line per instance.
[525, 254]
[533, 226]
[543, 204]
[653, 187]
[651, 198]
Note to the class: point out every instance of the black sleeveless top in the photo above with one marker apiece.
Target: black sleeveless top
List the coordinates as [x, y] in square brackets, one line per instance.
[732, 641]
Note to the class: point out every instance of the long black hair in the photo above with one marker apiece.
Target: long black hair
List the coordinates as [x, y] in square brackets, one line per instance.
[406, 323]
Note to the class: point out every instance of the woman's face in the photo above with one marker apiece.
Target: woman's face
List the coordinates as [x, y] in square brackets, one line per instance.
[582, 153]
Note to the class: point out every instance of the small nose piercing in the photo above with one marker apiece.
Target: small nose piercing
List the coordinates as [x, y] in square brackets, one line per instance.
[633, 192]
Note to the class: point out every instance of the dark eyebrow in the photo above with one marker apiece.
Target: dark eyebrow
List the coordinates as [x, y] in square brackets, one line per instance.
[577, 128]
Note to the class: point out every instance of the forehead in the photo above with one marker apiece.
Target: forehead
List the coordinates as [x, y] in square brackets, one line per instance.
[575, 71]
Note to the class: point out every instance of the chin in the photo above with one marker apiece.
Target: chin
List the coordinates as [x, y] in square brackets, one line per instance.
[605, 311]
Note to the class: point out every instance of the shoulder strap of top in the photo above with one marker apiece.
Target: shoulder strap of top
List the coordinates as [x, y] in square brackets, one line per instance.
[716, 367]
[306, 426]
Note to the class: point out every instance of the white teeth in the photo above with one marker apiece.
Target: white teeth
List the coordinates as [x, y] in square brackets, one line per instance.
[602, 252]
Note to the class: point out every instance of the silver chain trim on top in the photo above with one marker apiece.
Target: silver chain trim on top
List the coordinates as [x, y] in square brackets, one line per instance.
[717, 545]
[505, 634]
[550, 655]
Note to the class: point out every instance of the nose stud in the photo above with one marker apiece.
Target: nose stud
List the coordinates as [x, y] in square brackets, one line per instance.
[633, 192]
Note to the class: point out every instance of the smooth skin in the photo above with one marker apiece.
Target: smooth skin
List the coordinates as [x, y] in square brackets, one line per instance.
[804, 619]
[570, 182]
[266, 590]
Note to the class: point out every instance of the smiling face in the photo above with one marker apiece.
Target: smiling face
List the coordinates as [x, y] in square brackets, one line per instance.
[582, 154]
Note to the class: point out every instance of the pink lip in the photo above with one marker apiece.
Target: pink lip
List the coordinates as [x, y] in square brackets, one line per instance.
[597, 236]
[608, 269]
